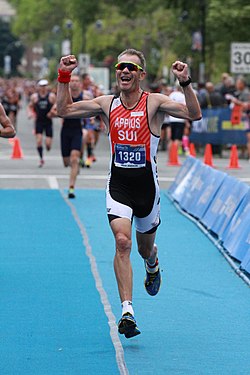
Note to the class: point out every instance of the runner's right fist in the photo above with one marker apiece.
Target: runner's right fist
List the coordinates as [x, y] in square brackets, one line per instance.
[68, 63]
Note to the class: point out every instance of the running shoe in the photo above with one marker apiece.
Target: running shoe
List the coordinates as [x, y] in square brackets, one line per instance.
[127, 326]
[88, 162]
[71, 193]
[41, 163]
[82, 163]
[152, 281]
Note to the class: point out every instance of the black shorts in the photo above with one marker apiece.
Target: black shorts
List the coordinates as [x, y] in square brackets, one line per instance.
[44, 128]
[71, 139]
[135, 198]
[177, 130]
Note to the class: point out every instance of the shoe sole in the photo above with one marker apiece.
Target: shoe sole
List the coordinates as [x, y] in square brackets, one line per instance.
[128, 328]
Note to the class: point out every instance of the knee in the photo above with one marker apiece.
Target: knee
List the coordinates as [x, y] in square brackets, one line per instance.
[74, 161]
[123, 244]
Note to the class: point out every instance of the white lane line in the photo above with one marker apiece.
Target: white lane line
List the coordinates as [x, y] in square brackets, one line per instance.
[82, 177]
[103, 295]
[53, 183]
[60, 177]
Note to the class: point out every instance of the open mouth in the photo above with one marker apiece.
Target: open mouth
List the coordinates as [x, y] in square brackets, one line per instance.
[125, 79]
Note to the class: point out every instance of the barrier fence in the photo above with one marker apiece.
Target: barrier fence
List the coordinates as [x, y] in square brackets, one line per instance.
[220, 126]
[220, 203]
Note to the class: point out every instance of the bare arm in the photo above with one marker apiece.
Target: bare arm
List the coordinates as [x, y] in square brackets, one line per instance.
[65, 106]
[190, 111]
[8, 130]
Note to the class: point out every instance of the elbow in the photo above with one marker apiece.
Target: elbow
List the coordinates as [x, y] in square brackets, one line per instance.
[12, 134]
[60, 112]
[196, 116]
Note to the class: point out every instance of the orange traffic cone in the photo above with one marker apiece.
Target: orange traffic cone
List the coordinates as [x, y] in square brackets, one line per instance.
[17, 151]
[234, 162]
[192, 150]
[208, 156]
[173, 155]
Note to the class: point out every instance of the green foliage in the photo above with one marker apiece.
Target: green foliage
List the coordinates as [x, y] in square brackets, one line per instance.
[9, 45]
[161, 29]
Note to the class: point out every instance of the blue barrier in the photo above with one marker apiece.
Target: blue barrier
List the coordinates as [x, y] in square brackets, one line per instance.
[236, 235]
[184, 179]
[245, 265]
[224, 205]
[207, 183]
[185, 168]
[221, 203]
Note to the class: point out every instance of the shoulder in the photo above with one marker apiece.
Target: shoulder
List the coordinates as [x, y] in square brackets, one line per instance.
[34, 97]
[104, 99]
[157, 99]
[52, 97]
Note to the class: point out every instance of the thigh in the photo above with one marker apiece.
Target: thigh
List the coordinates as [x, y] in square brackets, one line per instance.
[65, 144]
[39, 128]
[116, 209]
[76, 140]
[49, 130]
[149, 223]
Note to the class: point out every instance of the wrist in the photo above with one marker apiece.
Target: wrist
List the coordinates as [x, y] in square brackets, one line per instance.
[186, 83]
[63, 76]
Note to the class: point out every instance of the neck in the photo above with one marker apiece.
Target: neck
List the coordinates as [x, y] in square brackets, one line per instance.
[130, 99]
[75, 93]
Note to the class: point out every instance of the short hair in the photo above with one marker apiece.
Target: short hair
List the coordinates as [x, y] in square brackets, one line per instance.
[134, 52]
[85, 75]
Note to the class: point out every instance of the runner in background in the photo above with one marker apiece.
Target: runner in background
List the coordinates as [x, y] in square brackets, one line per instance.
[71, 137]
[39, 108]
[91, 126]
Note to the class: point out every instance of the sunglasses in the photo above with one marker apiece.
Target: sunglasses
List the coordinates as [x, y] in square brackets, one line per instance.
[132, 67]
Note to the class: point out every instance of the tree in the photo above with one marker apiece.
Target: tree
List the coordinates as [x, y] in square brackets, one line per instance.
[9, 45]
[162, 29]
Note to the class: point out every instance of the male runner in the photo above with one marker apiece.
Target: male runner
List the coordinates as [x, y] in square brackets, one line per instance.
[41, 103]
[71, 137]
[133, 120]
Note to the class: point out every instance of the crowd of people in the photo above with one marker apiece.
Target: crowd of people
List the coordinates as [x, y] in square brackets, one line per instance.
[229, 92]
[79, 137]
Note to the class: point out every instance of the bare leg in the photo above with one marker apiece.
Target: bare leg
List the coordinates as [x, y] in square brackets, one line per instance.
[74, 163]
[123, 270]
[48, 142]
[146, 246]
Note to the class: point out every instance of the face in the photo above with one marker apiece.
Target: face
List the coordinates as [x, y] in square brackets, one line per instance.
[43, 89]
[86, 82]
[129, 80]
[75, 83]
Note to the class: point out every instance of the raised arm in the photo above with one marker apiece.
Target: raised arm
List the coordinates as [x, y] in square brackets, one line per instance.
[65, 105]
[191, 110]
[7, 130]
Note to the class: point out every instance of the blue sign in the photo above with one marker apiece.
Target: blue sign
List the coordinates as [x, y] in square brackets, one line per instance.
[216, 127]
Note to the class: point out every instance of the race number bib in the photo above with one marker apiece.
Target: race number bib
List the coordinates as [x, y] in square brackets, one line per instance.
[127, 156]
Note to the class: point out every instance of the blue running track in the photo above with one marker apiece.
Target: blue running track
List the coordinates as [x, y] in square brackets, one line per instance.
[59, 301]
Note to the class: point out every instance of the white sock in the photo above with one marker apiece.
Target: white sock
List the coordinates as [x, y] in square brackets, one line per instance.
[127, 307]
[152, 268]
